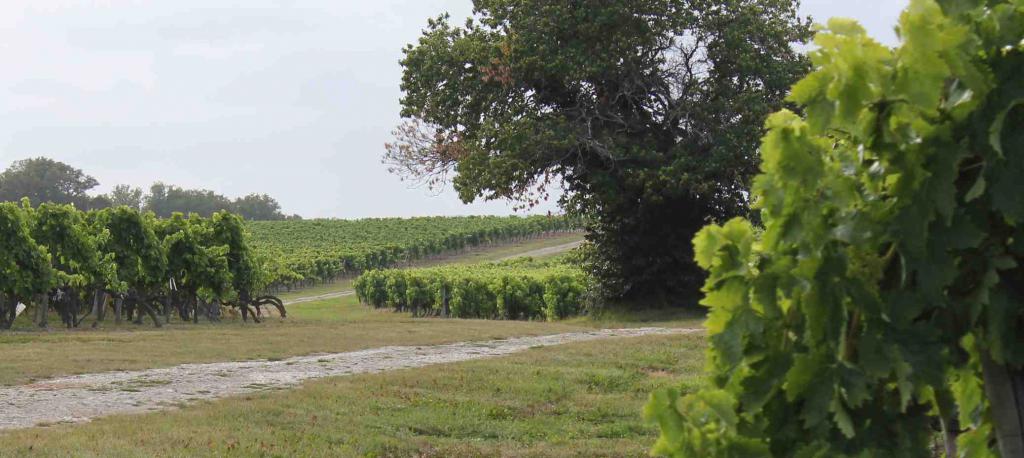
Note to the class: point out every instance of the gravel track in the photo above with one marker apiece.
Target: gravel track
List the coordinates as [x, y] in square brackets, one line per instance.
[321, 297]
[551, 250]
[84, 397]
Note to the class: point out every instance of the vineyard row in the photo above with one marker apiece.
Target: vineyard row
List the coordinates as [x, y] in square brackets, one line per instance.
[519, 290]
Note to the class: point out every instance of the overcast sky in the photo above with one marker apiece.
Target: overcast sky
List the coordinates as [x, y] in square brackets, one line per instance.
[294, 98]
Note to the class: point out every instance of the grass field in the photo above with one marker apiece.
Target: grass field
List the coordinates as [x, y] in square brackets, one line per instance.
[576, 400]
[334, 325]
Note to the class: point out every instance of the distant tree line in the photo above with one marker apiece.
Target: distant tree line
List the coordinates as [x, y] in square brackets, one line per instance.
[46, 180]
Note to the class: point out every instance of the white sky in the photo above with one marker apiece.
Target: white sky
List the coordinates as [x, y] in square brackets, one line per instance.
[294, 98]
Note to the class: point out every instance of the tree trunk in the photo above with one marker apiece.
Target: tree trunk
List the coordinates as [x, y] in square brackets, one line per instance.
[97, 302]
[1005, 389]
[166, 302]
[101, 306]
[118, 306]
[7, 316]
[148, 309]
[42, 308]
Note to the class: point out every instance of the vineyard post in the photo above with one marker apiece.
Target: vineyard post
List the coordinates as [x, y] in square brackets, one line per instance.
[194, 301]
[444, 301]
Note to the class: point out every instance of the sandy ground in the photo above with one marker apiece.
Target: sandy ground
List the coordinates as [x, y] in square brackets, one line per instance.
[552, 250]
[84, 397]
[321, 297]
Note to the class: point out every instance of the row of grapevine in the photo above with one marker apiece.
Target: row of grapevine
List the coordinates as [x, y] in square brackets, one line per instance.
[75, 262]
[883, 298]
[511, 291]
[299, 253]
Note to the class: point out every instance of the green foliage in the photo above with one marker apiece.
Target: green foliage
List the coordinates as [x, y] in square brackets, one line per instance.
[24, 265]
[648, 112]
[196, 263]
[123, 194]
[165, 200]
[136, 250]
[228, 232]
[123, 250]
[46, 180]
[320, 250]
[513, 290]
[890, 262]
[73, 246]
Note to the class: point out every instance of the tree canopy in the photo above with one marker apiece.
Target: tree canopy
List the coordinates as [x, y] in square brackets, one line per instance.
[647, 112]
[258, 207]
[46, 180]
[165, 200]
[126, 195]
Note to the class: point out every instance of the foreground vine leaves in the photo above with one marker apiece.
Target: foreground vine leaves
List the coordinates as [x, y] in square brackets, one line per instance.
[888, 271]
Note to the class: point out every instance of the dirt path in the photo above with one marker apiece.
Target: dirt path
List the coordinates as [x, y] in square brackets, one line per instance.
[551, 250]
[84, 397]
[321, 297]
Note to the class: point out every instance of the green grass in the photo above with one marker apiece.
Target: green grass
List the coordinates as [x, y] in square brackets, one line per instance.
[328, 326]
[575, 400]
[335, 325]
[621, 316]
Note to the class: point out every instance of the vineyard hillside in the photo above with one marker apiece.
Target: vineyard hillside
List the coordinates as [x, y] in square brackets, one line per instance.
[301, 253]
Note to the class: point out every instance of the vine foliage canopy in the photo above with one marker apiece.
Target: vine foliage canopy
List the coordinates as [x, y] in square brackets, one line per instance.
[885, 290]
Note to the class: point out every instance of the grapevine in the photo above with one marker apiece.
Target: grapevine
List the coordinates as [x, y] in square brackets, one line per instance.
[513, 290]
[302, 253]
[889, 268]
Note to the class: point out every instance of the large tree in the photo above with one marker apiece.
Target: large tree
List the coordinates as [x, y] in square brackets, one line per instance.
[258, 207]
[126, 195]
[46, 180]
[165, 200]
[648, 111]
